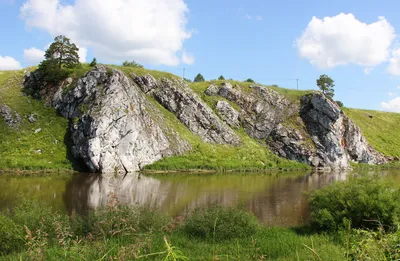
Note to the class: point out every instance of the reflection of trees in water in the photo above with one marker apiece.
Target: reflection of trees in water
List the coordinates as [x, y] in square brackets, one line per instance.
[275, 200]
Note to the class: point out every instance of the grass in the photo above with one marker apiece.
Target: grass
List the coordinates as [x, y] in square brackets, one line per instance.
[20, 148]
[379, 128]
[34, 232]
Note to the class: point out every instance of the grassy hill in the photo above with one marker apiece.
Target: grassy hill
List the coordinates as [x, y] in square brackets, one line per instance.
[22, 148]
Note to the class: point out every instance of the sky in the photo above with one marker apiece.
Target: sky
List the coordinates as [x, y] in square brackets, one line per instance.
[356, 43]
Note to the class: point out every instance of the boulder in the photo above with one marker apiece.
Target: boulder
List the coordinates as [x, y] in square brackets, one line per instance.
[11, 119]
[212, 90]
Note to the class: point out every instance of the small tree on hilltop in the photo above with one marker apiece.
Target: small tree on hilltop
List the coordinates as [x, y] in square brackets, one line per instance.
[221, 78]
[60, 56]
[250, 80]
[326, 84]
[94, 62]
[63, 52]
[199, 78]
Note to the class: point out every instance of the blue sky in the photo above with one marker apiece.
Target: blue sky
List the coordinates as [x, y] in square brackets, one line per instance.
[273, 42]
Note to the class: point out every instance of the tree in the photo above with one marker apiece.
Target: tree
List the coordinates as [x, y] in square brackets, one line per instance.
[340, 104]
[199, 78]
[59, 57]
[221, 78]
[250, 80]
[94, 62]
[187, 80]
[132, 64]
[326, 84]
[63, 52]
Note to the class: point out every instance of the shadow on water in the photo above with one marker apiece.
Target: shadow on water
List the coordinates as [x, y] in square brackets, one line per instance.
[274, 200]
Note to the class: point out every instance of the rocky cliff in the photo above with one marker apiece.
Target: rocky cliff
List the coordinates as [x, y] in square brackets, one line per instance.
[115, 126]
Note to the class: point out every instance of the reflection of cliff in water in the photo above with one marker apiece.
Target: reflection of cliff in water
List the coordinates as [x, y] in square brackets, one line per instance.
[274, 200]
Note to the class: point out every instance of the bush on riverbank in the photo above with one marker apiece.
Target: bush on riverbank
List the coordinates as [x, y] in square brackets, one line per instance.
[366, 202]
[221, 223]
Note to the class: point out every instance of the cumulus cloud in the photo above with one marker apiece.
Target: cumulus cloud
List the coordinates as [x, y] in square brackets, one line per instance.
[9, 63]
[148, 31]
[342, 39]
[187, 58]
[392, 105]
[33, 56]
[394, 63]
[391, 94]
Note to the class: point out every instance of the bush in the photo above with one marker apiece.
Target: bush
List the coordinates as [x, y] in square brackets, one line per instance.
[11, 235]
[250, 80]
[364, 202]
[132, 64]
[220, 223]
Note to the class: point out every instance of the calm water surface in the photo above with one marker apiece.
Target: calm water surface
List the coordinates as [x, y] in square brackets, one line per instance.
[274, 199]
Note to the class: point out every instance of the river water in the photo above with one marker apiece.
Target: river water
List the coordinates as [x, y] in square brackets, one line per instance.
[276, 199]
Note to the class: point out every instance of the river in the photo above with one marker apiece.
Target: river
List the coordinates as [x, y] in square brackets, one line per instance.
[276, 199]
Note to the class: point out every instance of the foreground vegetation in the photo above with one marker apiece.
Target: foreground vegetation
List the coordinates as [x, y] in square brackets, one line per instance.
[33, 231]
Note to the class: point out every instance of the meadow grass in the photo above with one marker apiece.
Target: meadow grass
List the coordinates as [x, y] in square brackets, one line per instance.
[21, 148]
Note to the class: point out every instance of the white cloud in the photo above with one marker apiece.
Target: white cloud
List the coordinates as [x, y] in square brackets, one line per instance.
[259, 18]
[398, 87]
[343, 39]
[394, 63]
[391, 94]
[82, 54]
[368, 70]
[148, 31]
[33, 56]
[9, 63]
[187, 58]
[392, 105]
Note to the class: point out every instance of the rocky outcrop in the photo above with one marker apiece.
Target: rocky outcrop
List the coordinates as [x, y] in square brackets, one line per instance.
[179, 99]
[315, 132]
[336, 137]
[11, 118]
[228, 114]
[114, 127]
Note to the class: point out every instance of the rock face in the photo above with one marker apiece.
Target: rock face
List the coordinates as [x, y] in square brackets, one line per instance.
[11, 119]
[178, 98]
[114, 127]
[315, 132]
[228, 114]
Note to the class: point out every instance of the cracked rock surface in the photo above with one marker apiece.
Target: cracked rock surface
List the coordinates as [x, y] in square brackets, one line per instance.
[114, 128]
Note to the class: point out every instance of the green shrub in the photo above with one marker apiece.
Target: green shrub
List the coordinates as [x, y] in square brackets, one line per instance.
[220, 223]
[11, 235]
[365, 202]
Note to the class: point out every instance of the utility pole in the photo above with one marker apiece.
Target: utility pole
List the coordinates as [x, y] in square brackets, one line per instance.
[297, 80]
[184, 73]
